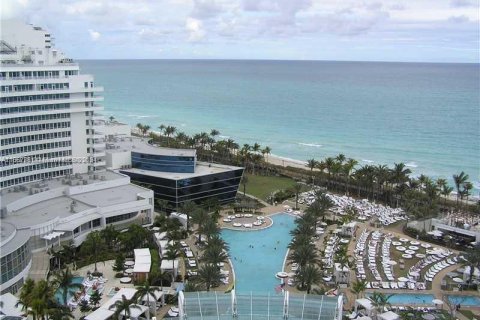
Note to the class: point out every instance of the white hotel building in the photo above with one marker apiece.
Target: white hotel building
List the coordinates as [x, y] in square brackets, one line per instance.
[53, 182]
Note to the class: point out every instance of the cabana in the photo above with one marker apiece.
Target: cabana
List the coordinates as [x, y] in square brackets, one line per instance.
[466, 274]
[153, 299]
[389, 315]
[341, 274]
[143, 262]
[348, 229]
[364, 303]
[170, 266]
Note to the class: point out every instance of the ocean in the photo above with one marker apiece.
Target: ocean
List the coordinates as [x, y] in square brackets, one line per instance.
[423, 114]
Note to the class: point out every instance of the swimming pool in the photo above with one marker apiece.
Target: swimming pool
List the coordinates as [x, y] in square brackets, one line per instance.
[473, 301]
[59, 292]
[409, 298]
[255, 268]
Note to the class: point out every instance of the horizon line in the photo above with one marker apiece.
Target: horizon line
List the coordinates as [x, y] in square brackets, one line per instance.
[274, 60]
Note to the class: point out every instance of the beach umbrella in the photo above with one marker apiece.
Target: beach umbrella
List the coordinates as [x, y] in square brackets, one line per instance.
[437, 301]
[457, 280]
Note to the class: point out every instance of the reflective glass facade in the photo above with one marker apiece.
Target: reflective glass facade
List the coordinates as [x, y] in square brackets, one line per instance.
[163, 163]
[223, 186]
[15, 262]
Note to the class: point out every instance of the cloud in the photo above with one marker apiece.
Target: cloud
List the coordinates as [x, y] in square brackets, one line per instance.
[459, 19]
[462, 3]
[94, 35]
[206, 9]
[195, 30]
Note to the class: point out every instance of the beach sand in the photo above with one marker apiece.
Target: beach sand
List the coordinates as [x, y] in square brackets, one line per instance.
[286, 162]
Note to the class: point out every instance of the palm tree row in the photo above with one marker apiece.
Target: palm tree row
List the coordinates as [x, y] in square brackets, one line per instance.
[302, 251]
[209, 148]
[390, 185]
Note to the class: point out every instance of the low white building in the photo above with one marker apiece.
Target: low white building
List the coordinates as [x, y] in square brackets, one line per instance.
[39, 216]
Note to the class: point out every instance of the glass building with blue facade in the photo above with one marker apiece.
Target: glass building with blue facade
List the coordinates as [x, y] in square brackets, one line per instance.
[164, 163]
[208, 181]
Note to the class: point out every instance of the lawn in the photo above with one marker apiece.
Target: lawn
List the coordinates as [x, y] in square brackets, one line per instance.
[262, 186]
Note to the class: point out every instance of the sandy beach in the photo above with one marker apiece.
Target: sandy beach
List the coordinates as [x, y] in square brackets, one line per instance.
[286, 162]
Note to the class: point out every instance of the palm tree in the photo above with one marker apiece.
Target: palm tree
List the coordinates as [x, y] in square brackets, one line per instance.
[358, 287]
[123, 306]
[95, 298]
[148, 291]
[266, 151]
[162, 204]
[188, 207]
[309, 276]
[110, 235]
[93, 245]
[214, 133]
[59, 312]
[329, 163]
[380, 300]
[297, 187]
[459, 180]
[214, 254]
[312, 163]
[349, 166]
[303, 255]
[210, 228]
[173, 252]
[199, 217]
[169, 130]
[26, 294]
[244, 182]
[472, 260]
[42, 298]
[209, 275]
[64, 281]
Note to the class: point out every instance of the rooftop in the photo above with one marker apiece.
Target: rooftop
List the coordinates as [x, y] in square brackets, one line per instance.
[201, 169]
[135, 144]
[110, 196]
[66, 205]
[12, 194]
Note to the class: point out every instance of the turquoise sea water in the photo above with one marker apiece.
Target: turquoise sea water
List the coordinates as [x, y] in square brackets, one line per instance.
[255, 268]
[425, 115]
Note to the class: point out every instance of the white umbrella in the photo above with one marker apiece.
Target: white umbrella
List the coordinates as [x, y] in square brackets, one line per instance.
[392, 263]
[437, 301]
[457, 280]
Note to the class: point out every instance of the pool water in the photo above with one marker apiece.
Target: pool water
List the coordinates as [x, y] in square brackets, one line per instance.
[473, 301]
[409, 298]
[255, 268]
[59, 292]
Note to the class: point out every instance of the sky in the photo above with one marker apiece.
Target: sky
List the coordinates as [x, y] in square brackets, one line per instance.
[355, 30]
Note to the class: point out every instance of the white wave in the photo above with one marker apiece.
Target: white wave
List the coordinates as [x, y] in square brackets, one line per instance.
[368, 161]
[411, 164]
[183, 125]
[224, 137]
[139, 116]
[310, 144]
